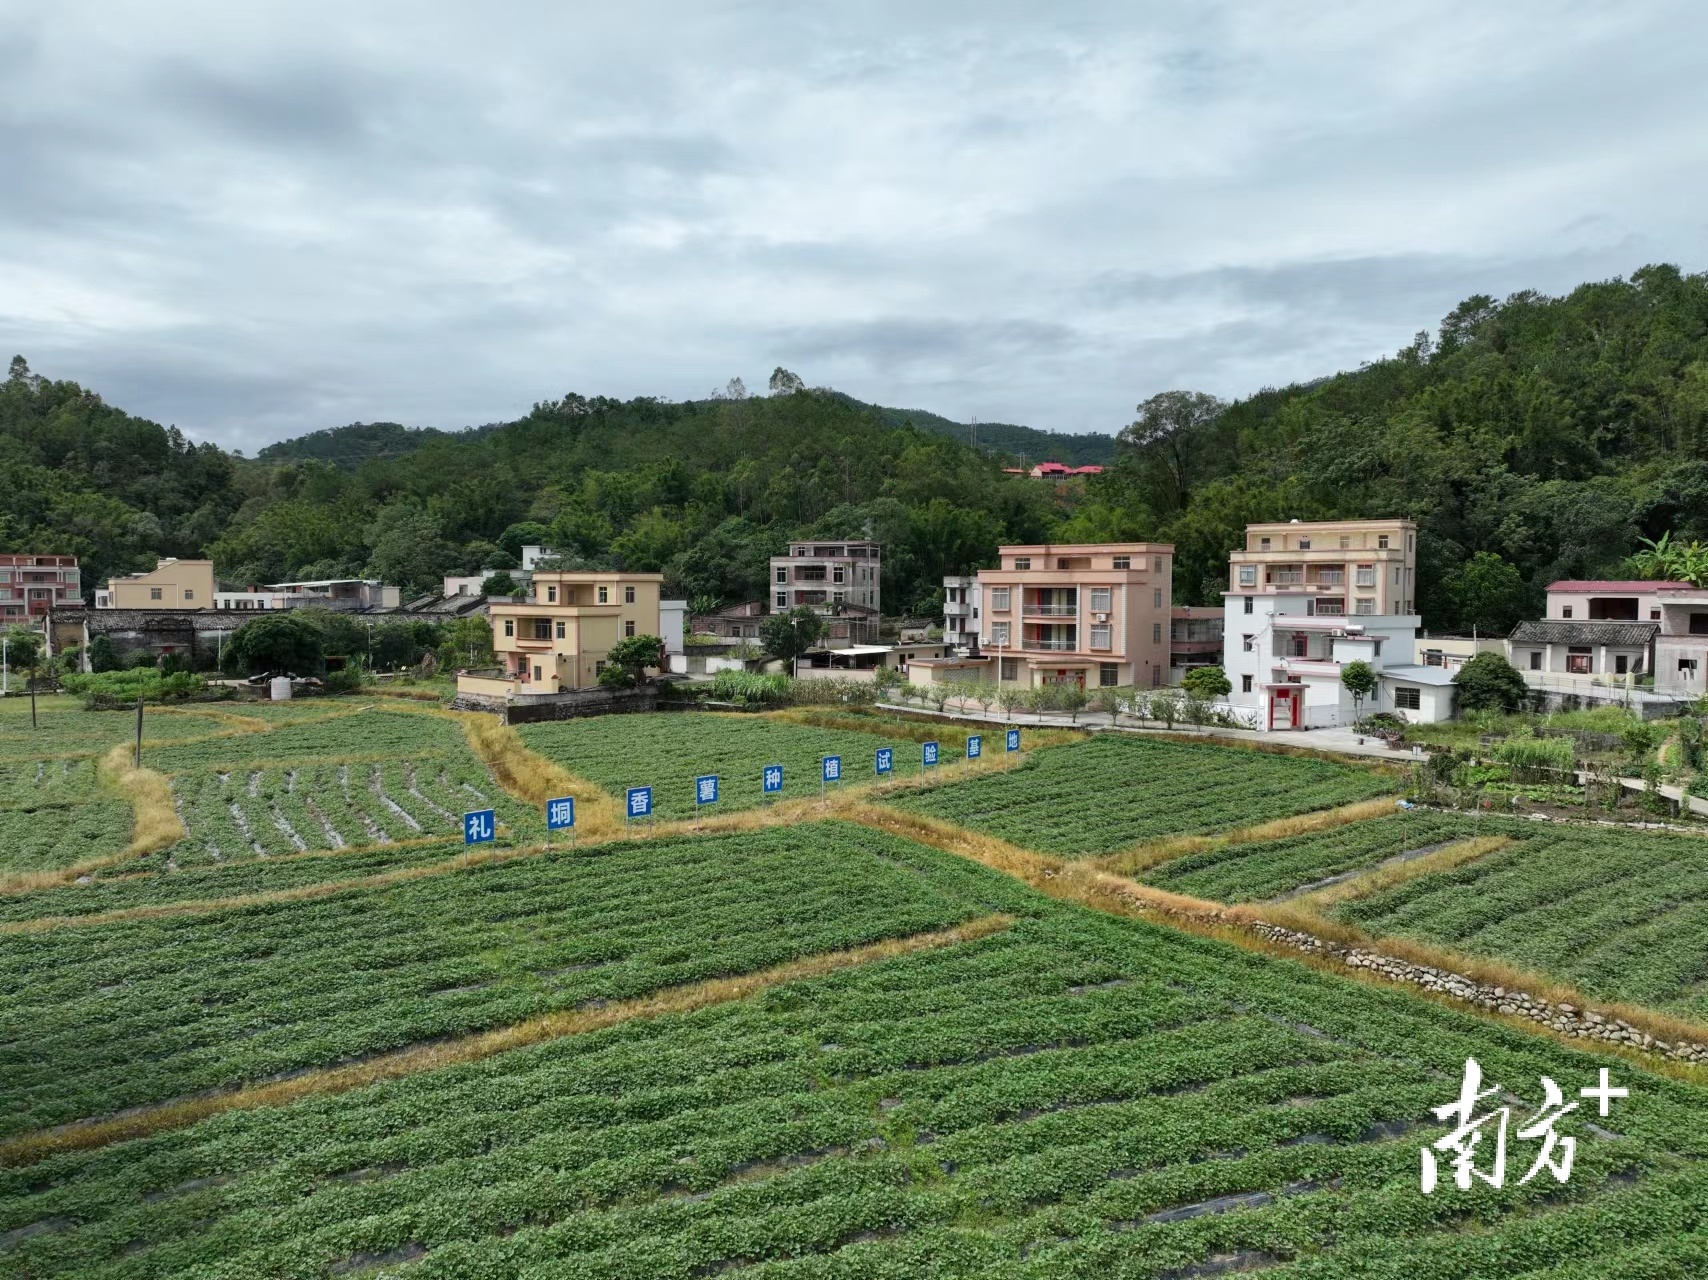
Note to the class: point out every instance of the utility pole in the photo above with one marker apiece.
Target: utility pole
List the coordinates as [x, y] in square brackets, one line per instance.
[5, 669]
[137, 757]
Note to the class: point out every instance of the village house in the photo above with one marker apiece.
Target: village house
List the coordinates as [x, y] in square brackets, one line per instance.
[557, 640]
[171, 584]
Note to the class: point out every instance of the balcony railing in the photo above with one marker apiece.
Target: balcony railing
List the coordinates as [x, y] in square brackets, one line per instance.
[1330, 578]
[1054, 646]
[1050, 610]
[1286, 578]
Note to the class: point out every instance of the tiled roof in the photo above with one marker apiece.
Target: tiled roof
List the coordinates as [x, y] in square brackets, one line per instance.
[1624, 586]
[1627, 635]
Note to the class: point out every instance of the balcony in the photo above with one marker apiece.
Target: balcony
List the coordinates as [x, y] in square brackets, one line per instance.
[1053, 645]
[956, 609]
[1330, 578]
[1051, 610]
[1286, 578]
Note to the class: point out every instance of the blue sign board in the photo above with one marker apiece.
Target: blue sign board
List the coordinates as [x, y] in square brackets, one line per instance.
[480, 826]
[886, 760]
[833, 768]
[706, 789]
[773, 778]
[975, 746]
[560, 813]
[639, 802]
[1014, 739]
[930, 753]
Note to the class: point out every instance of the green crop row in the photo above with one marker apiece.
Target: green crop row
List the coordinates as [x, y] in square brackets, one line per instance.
[362, 733]
[62, 835]
[97, 1019]
[1096, 797]
[1622, 915]
[1077, 1097]
[1263, 869]
[667, 752]
[29, 784]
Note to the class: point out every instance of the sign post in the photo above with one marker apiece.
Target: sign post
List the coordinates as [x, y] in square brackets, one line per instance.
[830, 770]
[927, 758]
[1013, 741]
[480, 826]
[560, 816]
[975, 748]
[771, 781]
[883, 763]
[637, 803]
[705, 792]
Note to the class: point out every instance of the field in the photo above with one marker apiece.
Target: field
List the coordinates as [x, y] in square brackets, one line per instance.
[1074, 1097]
[1257, 870]
[667, 752]
[1096, 797]
[1620, 915]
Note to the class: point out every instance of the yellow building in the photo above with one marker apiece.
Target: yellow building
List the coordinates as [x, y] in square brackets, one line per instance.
[557, 639]
[171, 584]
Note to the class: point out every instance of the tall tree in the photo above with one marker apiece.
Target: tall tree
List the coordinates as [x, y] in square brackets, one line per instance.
[1175, 434]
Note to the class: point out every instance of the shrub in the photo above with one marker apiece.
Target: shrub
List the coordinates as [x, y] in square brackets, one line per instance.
[749, 686]
[1533, 759]
[1488, 682]
[1207, 683]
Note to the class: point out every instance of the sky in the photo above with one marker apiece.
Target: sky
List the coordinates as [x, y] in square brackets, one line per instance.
[255, 220]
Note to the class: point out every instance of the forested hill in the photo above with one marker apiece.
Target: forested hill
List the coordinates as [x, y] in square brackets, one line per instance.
[1532, 439]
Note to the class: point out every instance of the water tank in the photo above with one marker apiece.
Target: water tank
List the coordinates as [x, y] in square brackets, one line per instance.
[281, 687]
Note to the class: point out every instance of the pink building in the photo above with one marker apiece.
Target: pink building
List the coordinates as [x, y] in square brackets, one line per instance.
[1597, 600]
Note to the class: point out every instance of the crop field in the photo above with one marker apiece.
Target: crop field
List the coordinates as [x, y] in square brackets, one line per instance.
[61, 835]
[1096, 797]
[64, 728]
[336, 733]
[228, 996]
[667, 752]
[1262, 869]
[1620, 915]
[1074, 1097]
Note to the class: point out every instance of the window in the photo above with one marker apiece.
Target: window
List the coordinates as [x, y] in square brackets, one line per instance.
[1100, 633]
[1411, 541]
[1620, 663]
[1364, 605]
[999, 633]
[1246, 643]
[1364, 576]
[1345, 541]
[1156, 633]
[1687, 668]
[560, 631]
[1304, 544]
[1381, 542]
[1566, 611]
[836, 573]
[1433, 658]
[1301, 645]
[1156, 564]
[542, 629]
[551, 595]
[629, 627]
[628, 595]
[1579, 660]
[604, 595]
[1123, 562]
[536, 675]
[1100, 597]
[189, 594]
[782, 599]
[1263, 544]
[1535, 659]
[782, 574]
[1248, 575]
[1022, 562]
[1108, 674]
[1408, 699]
[1397, 575]
[1247, 604]
[837, 597]
[509, 626]
[999, 600]
[1010, 669]
[1654, 615]
[154, 593]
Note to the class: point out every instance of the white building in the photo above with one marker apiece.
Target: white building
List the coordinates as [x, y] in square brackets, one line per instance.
[672, 624]
[532, 556]
[824, 575]
[961, 601]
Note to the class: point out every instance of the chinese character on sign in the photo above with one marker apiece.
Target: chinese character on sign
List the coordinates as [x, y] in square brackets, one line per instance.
[1014, 739]
[885, 760]
[479, 826]
[560, 813]
[832, 768]
[1557, 1151]
[640, 801]
[930, 753]
[975, 747]
[706, 789]
[773, 778]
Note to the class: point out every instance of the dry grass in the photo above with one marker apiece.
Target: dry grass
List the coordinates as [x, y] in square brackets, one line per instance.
[1143, 857]
[249, 724]
[84, 1135]
[1379, 878]
[156, 824]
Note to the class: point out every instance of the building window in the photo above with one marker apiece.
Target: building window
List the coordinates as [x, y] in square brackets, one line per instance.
[537, 675]
[1156, 564]
[999, 600]
[1654, 615]
[1156, 633]
[628, 595]
[154, 593]
[1579, 660]
[1010, 669]
[1566, 611]
[509, 626]
[1620, 663]
[836, 573]
[1100, 597]
[1535, 659]
[837, 597]
[1022, 562]
[1245, 684]
[782, 599]
[1381, 542]
[1364, 576]
[1263, 544]
[999, 633]
[1248, 575]
[1687, 668]
[1247, 604]
[1408, 699]
[1301, 645]
[560, 631]
[1108, 674]
[604, 595]
[1247, 643]
[1123, 562]
[1156, 598]
[551, 595]
[1364, 605]
[542, 629]
[1100, 636]
[782, 574]
[1433, 658]
[1304, 544]
[629, 627]
[189, 594]
[1345, 541]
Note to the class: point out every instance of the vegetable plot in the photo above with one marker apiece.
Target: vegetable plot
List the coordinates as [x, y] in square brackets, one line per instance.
[1096, 797]
[105, 1017]
[1077, 1097]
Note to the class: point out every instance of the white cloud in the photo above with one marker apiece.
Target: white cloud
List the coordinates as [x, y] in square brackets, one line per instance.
[263, 219]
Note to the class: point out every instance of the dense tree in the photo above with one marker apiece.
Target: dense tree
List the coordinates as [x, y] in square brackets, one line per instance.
[1207, 682]
[285, 641]
[1488, 682]
[789, 635]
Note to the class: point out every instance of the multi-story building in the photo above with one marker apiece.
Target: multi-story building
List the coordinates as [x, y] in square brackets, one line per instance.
[823, 575]
[339, 593]
[1195, 639]
[961, 601]
[171, 584]
[31, 586]
[1087, 614]
[557, 639]
[1305, 600]
[1355, 567]
[1596, 600]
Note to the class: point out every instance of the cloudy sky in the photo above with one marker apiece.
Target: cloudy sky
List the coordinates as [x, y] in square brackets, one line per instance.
[258, 219]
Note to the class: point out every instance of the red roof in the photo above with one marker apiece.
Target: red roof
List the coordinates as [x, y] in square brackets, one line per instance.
[1581, 586]
[1088, 471]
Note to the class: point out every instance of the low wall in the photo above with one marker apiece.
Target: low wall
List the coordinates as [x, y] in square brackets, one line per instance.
[583, 702]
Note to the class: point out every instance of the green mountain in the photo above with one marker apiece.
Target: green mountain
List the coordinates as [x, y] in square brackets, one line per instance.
[353, 445]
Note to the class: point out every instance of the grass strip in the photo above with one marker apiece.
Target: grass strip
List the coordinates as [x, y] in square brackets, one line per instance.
[1389, 874]
[1152, 853]
[146, 1121]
